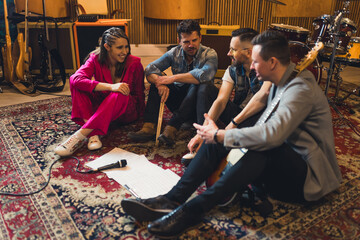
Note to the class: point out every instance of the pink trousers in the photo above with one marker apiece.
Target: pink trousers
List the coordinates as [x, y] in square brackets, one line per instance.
[100, 109]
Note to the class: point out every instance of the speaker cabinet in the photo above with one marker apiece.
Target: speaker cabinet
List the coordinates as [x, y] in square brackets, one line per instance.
[62, 37]
[218, 38]
[87, 35]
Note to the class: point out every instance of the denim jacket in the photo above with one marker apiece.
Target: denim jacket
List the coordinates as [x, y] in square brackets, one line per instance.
[241, 83]
[204, 64]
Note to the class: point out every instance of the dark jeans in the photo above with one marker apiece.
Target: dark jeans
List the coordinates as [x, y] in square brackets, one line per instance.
[205, 99]
[281, 171]
[182, 102]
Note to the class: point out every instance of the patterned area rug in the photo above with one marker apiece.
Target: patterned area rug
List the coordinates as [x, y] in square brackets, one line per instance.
[78, 206]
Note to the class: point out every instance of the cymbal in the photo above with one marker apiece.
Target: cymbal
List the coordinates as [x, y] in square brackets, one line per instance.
[276, 2]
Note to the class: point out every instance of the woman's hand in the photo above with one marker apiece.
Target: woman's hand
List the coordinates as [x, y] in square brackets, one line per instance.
[121, 87]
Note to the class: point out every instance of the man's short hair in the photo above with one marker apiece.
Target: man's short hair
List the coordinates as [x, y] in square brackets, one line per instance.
[273, 44]
[245, 34]
[188, 26]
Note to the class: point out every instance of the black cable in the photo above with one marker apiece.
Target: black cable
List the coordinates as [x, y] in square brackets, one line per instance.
[47, 182]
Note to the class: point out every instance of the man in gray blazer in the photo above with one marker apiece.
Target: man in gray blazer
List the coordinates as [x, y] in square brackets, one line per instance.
[290, 150]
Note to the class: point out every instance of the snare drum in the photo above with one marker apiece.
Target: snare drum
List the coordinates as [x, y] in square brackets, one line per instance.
[322, 27]
[298, 50]
[292, 33]
[353, 56]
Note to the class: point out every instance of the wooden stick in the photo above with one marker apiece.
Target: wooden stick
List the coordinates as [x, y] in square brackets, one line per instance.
[158, 129]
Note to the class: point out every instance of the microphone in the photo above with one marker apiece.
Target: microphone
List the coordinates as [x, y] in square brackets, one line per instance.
[119, 164]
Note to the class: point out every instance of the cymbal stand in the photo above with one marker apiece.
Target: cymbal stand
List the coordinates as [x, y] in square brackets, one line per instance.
[338, 78]
[336, 101]
[354, 91]
[338, 68]
[332, 59]
[260, 19]
[335, 34]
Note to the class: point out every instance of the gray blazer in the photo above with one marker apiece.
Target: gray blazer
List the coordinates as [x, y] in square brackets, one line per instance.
[302, 119]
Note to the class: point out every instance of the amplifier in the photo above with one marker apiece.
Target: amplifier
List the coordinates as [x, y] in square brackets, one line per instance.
[218, 38]
[87, 35]
[88, 18]
[63, 38]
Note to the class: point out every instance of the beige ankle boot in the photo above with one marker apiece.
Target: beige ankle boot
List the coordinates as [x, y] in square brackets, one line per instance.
[146, 133]
[168, 136]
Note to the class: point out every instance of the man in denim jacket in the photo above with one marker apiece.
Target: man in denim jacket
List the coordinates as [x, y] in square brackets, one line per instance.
[193, 66]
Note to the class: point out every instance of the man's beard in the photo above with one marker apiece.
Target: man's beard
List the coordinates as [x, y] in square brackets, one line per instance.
[191, 55]
[235, 63]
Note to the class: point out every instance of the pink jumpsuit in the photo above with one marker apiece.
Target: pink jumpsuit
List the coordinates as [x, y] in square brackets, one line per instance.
[101, 108]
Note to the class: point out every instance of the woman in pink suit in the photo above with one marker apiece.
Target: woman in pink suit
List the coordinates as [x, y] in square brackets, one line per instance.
[108, 87]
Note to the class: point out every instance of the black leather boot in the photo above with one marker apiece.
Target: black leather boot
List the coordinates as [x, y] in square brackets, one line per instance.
[175, 223]
[150, 209]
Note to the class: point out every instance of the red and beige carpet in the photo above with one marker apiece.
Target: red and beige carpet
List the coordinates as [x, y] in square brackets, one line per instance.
[78, 206]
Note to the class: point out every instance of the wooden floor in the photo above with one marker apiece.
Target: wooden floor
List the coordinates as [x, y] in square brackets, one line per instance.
[11, 96]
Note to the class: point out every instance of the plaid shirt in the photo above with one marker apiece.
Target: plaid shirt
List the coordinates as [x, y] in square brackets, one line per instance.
[202, 68]
[244, 84]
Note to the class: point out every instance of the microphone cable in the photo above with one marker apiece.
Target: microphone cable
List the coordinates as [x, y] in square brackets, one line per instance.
[121, 163]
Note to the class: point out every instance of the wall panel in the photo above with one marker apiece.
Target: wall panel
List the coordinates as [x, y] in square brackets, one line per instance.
[226, 12]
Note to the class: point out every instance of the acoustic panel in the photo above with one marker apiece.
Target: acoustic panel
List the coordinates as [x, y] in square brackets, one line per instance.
[54, 8]
[303, 8]
[175, 10]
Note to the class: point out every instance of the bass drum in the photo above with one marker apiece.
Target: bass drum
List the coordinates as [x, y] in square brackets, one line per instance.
[298, 50]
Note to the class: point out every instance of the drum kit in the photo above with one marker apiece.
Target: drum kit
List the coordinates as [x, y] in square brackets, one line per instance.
[341, 47]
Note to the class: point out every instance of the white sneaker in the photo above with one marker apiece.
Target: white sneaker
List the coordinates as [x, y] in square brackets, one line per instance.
[94, 143]
[186, 159]
[68, 147]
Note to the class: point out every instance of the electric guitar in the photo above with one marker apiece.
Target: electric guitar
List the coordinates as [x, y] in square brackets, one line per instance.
[23, 65]
[6, 50]
[236, 154]
[9, 54]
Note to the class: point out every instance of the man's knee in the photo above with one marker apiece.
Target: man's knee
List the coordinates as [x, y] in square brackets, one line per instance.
[206, 89]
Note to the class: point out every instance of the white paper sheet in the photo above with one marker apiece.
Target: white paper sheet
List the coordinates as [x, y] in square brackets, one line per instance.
[141, 177]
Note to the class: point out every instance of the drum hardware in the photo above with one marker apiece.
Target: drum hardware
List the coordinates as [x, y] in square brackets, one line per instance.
[354, 91]
[336, 28]
[324, 31]
[260, 19]
[336, 67]
[344, 120]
